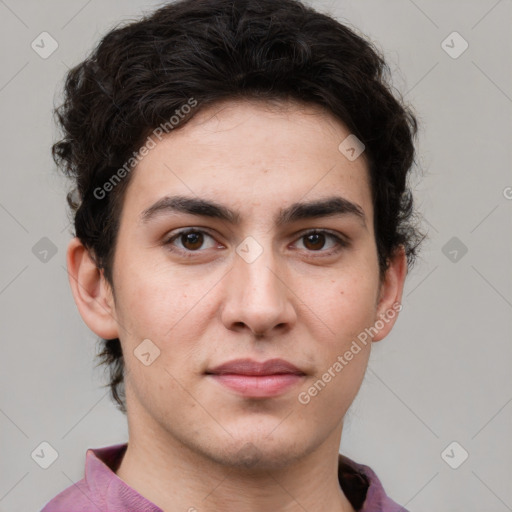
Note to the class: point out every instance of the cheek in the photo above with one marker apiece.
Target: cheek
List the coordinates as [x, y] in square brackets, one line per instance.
[348, 305]
[151, 302]
[348, 309]
[166, 308]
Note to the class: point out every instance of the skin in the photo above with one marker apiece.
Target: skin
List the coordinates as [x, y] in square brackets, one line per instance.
[193, 442]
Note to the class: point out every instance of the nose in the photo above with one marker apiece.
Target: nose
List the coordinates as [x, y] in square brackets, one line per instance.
[258, 297]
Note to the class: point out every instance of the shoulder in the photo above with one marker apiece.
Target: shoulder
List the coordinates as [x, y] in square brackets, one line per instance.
[77, 497]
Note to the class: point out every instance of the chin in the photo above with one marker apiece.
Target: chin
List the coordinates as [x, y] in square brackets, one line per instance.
[258, 452]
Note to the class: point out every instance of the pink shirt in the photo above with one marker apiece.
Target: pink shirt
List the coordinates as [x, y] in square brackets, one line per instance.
[102, 490]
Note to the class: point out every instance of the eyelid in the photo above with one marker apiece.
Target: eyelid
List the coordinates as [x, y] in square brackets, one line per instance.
[176, 234]
[341, 240]
[336, 234]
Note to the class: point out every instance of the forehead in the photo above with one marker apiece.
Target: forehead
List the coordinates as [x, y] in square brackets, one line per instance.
[251, 153]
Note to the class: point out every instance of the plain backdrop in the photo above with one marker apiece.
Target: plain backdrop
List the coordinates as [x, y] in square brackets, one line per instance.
[442, 375]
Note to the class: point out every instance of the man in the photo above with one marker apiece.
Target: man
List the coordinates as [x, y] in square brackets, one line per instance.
[243, 232]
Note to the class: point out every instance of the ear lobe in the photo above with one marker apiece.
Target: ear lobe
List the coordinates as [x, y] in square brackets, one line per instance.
[91, 291]
[390, 296]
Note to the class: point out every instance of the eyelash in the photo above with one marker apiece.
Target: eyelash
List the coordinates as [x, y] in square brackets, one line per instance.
[340, 242]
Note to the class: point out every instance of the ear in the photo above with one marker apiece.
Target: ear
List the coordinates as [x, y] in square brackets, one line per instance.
[92, 293]
[390, 294]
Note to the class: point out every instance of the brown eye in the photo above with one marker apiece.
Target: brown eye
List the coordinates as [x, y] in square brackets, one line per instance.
[315, 241]
[191, 240]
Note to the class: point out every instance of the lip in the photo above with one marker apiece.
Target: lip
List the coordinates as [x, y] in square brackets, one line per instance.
[255, 368]
[257, 379]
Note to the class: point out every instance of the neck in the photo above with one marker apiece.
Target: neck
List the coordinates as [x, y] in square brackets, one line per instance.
[176, 478]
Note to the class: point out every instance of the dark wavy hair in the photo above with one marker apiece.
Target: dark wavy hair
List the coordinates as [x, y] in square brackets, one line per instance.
[143, 71]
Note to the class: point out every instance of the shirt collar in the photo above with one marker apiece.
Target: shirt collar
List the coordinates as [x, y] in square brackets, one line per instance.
[100, 467]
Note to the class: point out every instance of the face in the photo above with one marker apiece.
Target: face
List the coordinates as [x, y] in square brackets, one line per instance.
[269, 280]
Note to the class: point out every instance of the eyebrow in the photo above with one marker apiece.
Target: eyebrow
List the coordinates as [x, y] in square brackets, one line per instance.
[334, 206]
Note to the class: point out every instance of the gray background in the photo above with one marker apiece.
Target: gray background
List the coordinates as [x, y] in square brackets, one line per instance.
[443, 374]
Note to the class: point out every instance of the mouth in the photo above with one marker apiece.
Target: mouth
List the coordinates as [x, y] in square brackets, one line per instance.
[254, 379]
